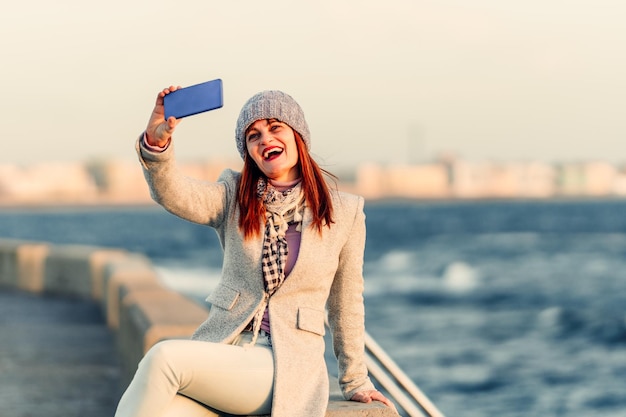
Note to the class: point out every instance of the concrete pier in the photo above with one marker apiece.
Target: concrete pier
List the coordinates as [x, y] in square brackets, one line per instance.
[76, 320]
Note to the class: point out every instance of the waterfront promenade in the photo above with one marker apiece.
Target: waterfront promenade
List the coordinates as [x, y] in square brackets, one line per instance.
[76, 320]
[57, 358]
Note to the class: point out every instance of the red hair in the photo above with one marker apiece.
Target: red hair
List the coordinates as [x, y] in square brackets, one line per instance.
[316, 193]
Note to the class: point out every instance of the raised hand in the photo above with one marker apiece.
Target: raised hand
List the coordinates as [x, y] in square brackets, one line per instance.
[159, 131]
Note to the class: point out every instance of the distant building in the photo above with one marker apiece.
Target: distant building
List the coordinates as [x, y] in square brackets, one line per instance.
[122, 182]
[587, 179]
[501, 180]
[402, 181]
[46, 183]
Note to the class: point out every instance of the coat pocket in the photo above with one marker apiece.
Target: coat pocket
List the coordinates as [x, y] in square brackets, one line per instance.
[311, 320]
[223, 297]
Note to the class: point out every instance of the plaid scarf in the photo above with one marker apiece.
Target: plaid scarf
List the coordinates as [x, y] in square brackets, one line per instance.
[282, 208]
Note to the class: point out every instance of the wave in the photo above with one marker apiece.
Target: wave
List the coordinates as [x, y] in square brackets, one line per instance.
[598, 326]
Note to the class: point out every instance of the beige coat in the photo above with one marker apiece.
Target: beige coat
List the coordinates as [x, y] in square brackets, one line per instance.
[327, 276]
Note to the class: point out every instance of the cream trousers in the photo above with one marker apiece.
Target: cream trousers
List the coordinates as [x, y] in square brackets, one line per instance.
[201, 379]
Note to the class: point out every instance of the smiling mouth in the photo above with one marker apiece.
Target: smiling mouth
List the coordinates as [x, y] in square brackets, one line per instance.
[272, 153]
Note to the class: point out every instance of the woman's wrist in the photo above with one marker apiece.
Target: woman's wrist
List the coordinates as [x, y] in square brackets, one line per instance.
[156, 146]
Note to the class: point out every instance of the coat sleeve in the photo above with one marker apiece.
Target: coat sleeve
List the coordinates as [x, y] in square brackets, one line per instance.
[202, 202]
[346, 310]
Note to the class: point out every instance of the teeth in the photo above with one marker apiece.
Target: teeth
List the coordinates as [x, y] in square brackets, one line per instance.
[269, 152]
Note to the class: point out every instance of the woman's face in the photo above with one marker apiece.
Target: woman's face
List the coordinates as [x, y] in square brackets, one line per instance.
[272, 146]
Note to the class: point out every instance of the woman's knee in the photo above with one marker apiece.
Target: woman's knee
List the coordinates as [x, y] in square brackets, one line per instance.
[158, 356]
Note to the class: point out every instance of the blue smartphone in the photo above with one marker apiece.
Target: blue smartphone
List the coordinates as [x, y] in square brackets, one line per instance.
[194, 99]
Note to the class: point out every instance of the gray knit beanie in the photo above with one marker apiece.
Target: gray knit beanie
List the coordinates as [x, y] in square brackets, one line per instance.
[271, 105]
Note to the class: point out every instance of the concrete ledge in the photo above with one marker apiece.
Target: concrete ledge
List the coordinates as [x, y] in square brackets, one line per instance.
[21, 264]
[149, 315]
[30, 266]
[138, 308]
[122, 276]
[76, 270]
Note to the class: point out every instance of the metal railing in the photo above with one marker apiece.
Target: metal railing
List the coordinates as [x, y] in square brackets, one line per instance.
[398, 385]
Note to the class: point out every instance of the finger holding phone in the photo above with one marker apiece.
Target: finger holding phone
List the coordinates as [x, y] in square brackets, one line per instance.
[159, 131]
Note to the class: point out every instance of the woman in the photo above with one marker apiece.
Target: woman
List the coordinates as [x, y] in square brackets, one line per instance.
[292, 248]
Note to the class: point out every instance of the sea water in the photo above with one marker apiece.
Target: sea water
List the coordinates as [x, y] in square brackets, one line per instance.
[493, 308]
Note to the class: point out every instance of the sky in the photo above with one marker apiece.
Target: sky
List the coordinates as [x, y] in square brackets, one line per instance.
[398, 81]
